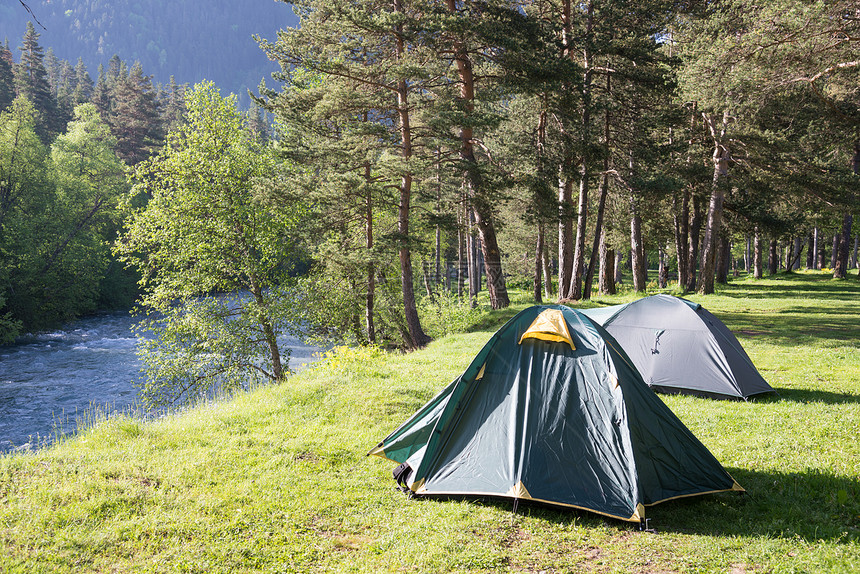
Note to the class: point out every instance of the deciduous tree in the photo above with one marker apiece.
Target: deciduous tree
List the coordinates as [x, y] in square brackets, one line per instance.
[203, 232]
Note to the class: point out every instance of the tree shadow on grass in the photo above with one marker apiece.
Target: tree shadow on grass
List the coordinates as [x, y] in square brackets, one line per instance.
[793, 326]
[807, 396]
[812, 505]
[790, 285]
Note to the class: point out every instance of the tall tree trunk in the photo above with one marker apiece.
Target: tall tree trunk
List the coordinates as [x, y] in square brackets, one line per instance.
[715, 207]
[472, 255]
[540, 248]
[757, 255]
[428, 283]
[834, 250]
[690, 223]
[816, 248]
[437, 275]
[840, 270]
[798, 251]
[268, 330]
[538, 276]
[617, 268]
[371, 272]
[575, 291]
[695, 232]
[547, 272]
[747, 253]
[662, 269]
[565, 234]
[462, 263]
[854, 262]
[637, 252]
[448, 266]
[565, 183]
[606, 284]
[810, 252]
[773, 258]
[724, 254]
[603, 191]
[598, 224]
[479, 257]
[840, 267]
[682, 236]
[483, 210]
[418, 338]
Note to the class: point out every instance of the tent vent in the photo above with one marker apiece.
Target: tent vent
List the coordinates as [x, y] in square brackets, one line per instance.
[549, 326]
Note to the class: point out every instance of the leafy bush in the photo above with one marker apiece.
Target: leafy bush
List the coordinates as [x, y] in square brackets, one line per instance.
[448, 314]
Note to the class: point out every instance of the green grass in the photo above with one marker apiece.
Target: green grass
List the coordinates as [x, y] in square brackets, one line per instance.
[276, 480]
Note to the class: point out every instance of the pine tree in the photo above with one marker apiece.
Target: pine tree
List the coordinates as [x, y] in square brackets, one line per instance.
[53, 70]
[366, 56]
[66, 89]
[7, 78]
[31, 81]
[101, 95]
[83, 91]
[135, 120]
[173, 104]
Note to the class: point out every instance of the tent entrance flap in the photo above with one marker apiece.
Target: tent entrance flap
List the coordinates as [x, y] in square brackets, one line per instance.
[549, 326]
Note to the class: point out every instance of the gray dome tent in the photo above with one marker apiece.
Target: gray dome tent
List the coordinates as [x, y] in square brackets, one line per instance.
[551, 410]
[680, 347]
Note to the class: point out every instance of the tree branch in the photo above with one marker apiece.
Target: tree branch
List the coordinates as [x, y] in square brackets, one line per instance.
[27, 8]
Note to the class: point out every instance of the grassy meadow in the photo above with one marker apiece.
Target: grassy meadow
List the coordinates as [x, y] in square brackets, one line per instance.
[276, 480]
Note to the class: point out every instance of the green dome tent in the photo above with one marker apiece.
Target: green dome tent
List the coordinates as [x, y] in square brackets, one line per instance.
[551, 410]
[680, 347]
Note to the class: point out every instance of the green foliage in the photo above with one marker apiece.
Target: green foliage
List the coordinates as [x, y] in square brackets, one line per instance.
[447, 314]
[57, 217]
[198, 349]
[9, 326]
[31, 82]
[203, 231]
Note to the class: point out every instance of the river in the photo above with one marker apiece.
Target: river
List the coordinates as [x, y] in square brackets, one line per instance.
[50, 380]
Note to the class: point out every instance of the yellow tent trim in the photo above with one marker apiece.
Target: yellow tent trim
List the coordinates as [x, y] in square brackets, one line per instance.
[481, 372]
[549, 326]
[377, 451]
[735, 488]
[417, 487]
[518, 491]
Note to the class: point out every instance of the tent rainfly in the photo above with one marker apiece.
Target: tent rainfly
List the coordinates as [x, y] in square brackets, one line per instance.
[679, 347]
[552, 410]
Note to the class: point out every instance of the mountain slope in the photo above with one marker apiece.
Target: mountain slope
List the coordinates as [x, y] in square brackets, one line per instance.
[189, 39]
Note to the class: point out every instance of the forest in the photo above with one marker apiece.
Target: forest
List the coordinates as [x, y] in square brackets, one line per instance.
[420, 153]
[188, 40]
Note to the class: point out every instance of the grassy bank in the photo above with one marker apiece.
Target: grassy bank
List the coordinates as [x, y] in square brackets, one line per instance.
[276, 480]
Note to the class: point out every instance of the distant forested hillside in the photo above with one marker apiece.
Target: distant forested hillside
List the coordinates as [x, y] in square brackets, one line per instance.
[189, 39]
